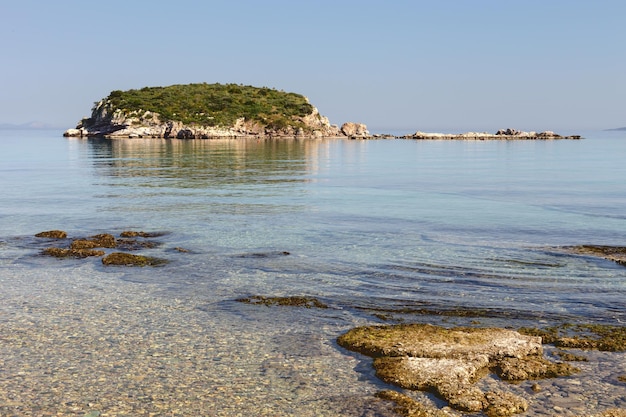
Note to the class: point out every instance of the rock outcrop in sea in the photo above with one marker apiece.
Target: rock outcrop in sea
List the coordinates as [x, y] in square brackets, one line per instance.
[449, 362]
[355, 130]
[202, 111]
[502, 134]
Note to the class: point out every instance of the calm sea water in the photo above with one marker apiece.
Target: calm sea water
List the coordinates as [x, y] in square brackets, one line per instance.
[412, 229]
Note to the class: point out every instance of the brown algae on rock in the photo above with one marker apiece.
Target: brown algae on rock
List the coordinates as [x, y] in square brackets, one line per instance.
[603, 337]
[516, 369]
[132, 233]
[294, 301]
[52, 234]
[104, 240]
[406, 406]
[612, 253]
[570, 357]
[85, 247]
[83, 244]
[72, 253]
[128, 259]
[449, 361]
[134, 244]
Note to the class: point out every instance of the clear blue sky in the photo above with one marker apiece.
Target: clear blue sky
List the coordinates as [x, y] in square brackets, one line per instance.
[414, 65]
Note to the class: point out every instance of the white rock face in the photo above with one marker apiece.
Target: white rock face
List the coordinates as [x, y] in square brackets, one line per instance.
[146, 124]
[355, 130]
[72, 133]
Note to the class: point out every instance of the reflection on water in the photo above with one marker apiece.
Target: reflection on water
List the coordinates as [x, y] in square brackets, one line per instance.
[203, 163]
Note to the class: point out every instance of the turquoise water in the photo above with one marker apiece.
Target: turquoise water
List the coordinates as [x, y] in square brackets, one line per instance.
[390, 223]
[411, 229]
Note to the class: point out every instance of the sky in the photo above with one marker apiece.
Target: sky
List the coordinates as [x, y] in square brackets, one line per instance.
[438, 65]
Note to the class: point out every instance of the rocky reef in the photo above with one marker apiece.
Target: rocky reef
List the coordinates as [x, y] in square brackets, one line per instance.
[92, 246]
[502, 134]
[293, 301]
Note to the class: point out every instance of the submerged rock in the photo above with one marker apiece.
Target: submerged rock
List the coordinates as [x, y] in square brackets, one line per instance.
[103, 240]
[131, 233]
[612, 253]
[571, 357]
[84, 244]
[72, 253]
[273, 254]
[134, 244]
[449, 361]
[127, 259]
[504, 404]
[604, 337]
[612, 412]
[295, 301]
[85, 247]
[408, 407]
[53, 234]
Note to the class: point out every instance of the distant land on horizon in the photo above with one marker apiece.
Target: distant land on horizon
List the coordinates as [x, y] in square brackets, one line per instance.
[28, 125]
[617, 129]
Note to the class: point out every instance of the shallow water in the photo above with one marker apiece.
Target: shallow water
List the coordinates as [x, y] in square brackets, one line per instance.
[446, 232]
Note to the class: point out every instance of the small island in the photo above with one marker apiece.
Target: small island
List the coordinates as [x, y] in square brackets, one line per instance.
[202, 111]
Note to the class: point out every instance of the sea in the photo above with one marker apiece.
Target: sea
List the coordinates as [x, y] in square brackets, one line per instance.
[452, 233]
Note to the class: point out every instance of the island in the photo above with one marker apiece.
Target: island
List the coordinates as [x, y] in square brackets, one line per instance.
[202, 111]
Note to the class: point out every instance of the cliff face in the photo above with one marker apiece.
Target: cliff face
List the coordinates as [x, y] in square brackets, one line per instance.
[109, 120]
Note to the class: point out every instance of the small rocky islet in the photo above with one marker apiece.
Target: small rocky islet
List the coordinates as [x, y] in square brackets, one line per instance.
[203, 111]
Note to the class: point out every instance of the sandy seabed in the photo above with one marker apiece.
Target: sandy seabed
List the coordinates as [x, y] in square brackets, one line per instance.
[75, 344]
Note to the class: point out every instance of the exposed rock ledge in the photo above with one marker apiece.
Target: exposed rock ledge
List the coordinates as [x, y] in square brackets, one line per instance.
[503, 134]
[449, 362]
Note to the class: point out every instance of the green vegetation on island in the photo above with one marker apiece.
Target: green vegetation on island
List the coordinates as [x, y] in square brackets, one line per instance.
[213, 104]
